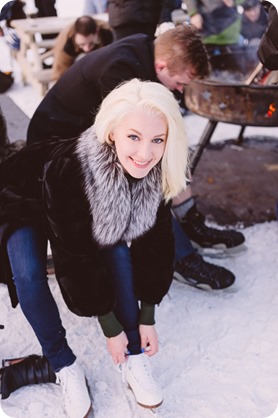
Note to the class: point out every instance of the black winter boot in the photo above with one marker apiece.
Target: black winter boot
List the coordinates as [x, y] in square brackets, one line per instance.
[211, 241]
[30, 370]
[195, 271]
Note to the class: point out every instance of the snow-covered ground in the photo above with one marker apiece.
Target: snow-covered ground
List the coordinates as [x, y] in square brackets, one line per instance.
[218, 350]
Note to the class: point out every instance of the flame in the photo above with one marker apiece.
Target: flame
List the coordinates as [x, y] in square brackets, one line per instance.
[271, 110]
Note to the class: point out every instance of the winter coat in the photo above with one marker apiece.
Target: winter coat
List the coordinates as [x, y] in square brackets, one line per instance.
[252, 30]
[268, 48]
[66, 51]
[221, 23]
[128, 12]
[77, 194]
[70, 105]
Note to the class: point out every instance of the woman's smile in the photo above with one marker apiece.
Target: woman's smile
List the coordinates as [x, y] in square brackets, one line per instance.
[142, 164]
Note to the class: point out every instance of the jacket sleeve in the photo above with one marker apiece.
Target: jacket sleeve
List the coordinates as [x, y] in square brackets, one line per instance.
[20, 186]
[268, 48]
[153, 258]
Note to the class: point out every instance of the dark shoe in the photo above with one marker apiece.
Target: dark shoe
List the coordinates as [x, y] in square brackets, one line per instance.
[193, 270]
[29, 370]
[211, 241]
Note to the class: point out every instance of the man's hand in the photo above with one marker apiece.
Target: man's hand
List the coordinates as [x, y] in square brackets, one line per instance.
[149, 339]
[117, 347]
[197, 21]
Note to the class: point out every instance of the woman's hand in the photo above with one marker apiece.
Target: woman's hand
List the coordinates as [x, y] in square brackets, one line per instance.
[149, 339]
[117, 347]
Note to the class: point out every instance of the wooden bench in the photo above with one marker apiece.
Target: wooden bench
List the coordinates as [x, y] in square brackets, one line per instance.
[43, 80]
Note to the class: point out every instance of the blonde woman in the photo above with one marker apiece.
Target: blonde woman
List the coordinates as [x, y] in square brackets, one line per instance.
[104, 203]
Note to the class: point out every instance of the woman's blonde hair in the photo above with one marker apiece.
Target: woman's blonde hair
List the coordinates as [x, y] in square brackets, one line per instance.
[155, 98]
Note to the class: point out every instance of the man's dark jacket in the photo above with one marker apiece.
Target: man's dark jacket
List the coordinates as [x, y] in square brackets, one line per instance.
[268, 48]
[71, 104]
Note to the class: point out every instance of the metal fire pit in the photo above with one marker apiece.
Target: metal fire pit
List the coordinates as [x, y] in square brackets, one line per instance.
[224, 97]
[239, 104]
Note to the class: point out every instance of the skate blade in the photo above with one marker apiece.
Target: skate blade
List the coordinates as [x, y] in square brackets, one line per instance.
[220, 250]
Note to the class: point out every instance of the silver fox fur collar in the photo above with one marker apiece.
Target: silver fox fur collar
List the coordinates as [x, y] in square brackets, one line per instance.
[121, 210]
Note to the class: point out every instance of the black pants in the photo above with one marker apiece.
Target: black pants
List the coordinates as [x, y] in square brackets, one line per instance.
[46, 8]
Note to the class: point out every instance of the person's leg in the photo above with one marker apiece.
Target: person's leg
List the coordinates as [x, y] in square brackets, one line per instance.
[209, 241]
[46, 8]
[192, 269]
[183, 246]
[137, 369]
[119, 266]
[27, 253]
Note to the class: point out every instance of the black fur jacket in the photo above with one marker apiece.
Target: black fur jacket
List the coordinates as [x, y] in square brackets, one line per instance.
[77, 193]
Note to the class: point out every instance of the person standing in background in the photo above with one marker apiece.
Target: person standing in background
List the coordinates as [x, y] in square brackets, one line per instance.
[46, 8]
[218, 22]
[253, 22]
[127, 17]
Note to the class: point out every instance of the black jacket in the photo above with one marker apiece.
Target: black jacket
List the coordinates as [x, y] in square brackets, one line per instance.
[251, 30]
[71, 104]
[53, 186]
[128, 12]
[268, 48]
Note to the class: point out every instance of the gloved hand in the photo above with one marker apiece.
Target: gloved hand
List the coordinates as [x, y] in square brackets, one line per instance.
[163, 27]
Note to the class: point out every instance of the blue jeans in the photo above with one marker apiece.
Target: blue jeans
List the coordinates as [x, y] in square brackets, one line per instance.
[27, 253]
[183, 246]
[119, 267]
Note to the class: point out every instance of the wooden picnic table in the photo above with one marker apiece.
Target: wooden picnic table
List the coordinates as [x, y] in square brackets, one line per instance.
[32, 46]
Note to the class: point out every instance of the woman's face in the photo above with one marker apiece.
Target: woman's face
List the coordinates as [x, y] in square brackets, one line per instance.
[140, 140]
[85, 43]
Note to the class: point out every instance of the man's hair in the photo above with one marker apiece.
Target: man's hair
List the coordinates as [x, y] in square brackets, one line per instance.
[157, 100]
[182, 49]
[85, 25]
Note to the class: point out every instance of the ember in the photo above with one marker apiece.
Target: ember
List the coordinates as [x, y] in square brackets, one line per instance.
[271, 110]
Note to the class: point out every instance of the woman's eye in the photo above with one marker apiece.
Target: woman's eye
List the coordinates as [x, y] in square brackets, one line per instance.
[133, 137]
[158, 140]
